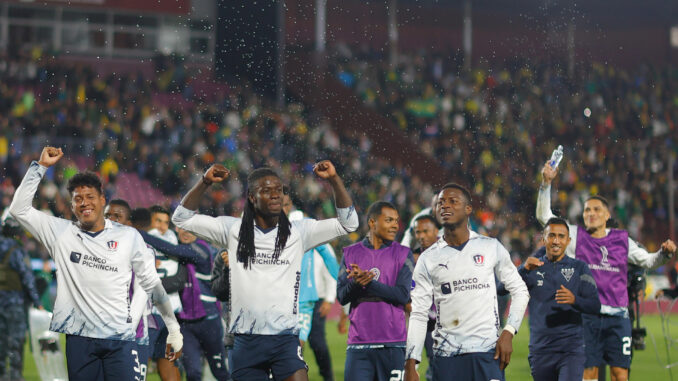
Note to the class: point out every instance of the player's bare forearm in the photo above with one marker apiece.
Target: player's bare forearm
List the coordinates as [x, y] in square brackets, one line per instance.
[341, 197]
[411, 370]
[192, 199]
[217, 173]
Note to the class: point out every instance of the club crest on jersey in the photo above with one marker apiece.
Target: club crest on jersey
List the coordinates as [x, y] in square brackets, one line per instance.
[567, 273]
[413, 285]
[479, 259]
[112, 245]
[376, 272]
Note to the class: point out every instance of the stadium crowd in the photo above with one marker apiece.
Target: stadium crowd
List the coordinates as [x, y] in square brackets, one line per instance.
[498, 123]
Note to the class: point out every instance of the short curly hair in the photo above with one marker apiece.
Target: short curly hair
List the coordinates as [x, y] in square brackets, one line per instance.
[85, 179]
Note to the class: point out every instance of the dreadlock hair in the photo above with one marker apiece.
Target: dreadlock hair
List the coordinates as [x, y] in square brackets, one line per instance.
[246, 251]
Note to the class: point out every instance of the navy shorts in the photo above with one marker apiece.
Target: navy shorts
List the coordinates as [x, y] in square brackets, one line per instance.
[557, 366]
[90, 359]
[608, 340]
[468, 367]
[254, 357]
[378, 364]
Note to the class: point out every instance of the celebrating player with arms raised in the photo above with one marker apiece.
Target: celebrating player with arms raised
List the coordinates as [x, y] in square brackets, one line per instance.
[95, 258]
[607, 252]
[265, 251]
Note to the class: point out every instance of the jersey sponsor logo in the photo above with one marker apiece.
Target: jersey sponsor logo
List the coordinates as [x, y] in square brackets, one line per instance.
[92, 262]
[296, 292]
[75, 257]
[469, 284]
[376, 273]
[567, 273]
[443, 265]
[112, 245]
[479, 259]
[541, 274]
[269, 259]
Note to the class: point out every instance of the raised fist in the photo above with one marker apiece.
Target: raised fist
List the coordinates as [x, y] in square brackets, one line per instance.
[216, 174]
[50, 156]
[548, 173]
[324, 169]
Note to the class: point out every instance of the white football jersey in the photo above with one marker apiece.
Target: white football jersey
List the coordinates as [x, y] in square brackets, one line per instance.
[264, 298]
[94, 273]
[462, 286]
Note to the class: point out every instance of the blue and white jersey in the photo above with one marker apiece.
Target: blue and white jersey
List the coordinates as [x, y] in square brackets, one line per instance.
[461, 282]
[265, 298]
[94, 271]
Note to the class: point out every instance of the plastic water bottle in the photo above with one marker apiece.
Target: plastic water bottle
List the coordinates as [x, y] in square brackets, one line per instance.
[556, 157]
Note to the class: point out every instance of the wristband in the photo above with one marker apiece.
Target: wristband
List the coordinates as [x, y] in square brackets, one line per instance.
[510, 329]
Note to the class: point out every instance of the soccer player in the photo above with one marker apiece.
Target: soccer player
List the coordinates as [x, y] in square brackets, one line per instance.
[607, 252]
[160, 224]
[118, 211]
[94, 259]
[426, 232]
[200, 316]
[458, 274]
[375, 278]
[561, 289]
[140, 218]
[409, 238]
[265, 252]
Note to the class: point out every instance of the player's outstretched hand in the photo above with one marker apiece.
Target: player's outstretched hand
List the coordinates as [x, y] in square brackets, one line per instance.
[216, 174]
[324, 169]
[532, 263]
[548, 174]
[564, 296]
[669, 248]
[504, 349]
[175, 344]
[50, 156]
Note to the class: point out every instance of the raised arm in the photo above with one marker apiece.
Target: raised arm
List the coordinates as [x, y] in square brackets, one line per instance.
[641, 257]
[215, 174]
[316, 233]
[43, 227]
[544, 212]
[325, 170]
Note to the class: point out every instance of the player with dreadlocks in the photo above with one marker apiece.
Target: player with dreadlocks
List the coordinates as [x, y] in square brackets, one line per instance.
[265, 251]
